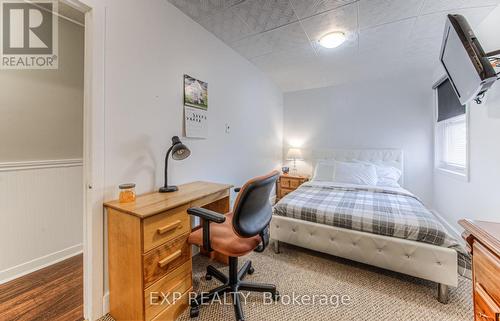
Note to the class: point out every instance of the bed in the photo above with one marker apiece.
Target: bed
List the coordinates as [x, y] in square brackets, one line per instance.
[387, 227]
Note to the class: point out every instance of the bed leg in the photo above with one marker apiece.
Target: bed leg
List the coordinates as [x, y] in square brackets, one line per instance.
[443, 293]
[276, 246]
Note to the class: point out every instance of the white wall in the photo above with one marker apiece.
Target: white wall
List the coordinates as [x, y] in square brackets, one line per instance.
[42, 110]
[149, 47]
[478, 199]
[388, 113]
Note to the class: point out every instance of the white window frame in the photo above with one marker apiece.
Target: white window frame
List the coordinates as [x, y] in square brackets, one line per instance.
[458, 172]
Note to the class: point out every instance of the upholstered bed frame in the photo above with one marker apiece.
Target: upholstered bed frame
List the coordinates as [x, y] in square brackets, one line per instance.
[422, 260]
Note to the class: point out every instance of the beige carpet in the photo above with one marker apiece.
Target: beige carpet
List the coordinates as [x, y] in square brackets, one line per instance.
[375, 294]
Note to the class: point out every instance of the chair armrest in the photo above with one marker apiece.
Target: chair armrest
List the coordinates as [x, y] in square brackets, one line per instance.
[207, 214]
[237, 189]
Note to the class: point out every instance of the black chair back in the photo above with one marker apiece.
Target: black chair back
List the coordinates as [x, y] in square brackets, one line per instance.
[252, 211]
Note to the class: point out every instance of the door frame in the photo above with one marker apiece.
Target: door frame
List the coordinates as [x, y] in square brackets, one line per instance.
[93, 155]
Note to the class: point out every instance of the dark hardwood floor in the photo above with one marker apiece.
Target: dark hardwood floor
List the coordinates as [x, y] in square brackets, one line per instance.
[54, 293]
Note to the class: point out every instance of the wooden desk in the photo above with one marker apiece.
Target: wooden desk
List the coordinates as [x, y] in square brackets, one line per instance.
[483, 239]
[148, 253]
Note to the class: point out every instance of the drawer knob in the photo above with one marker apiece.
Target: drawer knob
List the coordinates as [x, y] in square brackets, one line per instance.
[166, 261]
[169, 227]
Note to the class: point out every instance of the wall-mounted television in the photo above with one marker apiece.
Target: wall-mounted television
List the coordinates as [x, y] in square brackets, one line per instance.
[467, 65]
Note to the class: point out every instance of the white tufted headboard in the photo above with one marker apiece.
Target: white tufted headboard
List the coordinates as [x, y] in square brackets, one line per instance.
[389, 157]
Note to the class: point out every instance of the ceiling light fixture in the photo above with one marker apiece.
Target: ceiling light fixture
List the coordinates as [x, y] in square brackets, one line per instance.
[332, 39]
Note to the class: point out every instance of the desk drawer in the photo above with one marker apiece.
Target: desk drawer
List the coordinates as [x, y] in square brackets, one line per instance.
[166, 226]
[486, 266]
[165, 259]
[174, 310]
[485, 309]
[167, 290]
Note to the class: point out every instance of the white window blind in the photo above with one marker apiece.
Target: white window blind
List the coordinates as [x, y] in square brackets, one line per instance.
[454, 149]
[451, 132]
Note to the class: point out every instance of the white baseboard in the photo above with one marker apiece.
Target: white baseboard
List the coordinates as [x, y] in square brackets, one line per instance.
[453, 231]
[105, 303]
[39, 263]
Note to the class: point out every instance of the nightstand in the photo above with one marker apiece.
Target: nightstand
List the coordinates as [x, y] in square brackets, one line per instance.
[288, 183]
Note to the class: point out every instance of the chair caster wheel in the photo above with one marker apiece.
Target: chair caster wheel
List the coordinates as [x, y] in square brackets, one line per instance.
[208, 277]
[276, 296]
[194, 312]
[250, 270]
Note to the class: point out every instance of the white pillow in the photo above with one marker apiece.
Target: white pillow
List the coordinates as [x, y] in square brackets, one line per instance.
[355, 173]
[386, 175]
[324, 171]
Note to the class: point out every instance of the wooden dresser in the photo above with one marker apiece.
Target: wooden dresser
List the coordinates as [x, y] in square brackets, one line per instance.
[288, 183]
[150, 268]
[483, 239]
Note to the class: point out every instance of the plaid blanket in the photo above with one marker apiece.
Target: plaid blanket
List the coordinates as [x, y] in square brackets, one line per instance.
[390, 212]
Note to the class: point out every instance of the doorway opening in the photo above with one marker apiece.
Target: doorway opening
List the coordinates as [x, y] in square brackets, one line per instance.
[42, 179]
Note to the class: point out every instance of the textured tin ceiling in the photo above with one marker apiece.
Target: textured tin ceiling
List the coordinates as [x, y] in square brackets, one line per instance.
[383, 36]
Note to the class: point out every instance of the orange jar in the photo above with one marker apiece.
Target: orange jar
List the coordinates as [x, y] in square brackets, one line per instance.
[127, 193]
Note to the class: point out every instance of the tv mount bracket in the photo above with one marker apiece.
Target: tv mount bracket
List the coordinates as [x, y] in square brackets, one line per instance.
[493, 53]
[494, 58]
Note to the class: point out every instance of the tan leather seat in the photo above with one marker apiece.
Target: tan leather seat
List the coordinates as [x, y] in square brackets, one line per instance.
[224, 240]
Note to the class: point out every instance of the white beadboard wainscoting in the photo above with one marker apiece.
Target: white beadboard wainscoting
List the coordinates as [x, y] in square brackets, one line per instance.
[41, 214]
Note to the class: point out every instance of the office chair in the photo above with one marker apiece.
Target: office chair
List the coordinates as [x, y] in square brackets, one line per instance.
[236, 234]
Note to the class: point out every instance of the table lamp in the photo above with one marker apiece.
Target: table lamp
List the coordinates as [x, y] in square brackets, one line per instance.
[294, 154]
[179, 152]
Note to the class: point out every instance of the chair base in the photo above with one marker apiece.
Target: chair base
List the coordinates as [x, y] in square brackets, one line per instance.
[232, 284]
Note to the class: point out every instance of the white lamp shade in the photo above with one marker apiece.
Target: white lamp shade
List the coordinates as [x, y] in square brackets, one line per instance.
[294, 154]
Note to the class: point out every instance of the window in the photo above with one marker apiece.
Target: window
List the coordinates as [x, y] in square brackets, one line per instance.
[453, 143]
[451, 132]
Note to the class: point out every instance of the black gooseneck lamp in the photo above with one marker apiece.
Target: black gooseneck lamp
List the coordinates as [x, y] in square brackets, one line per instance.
[179, 152]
